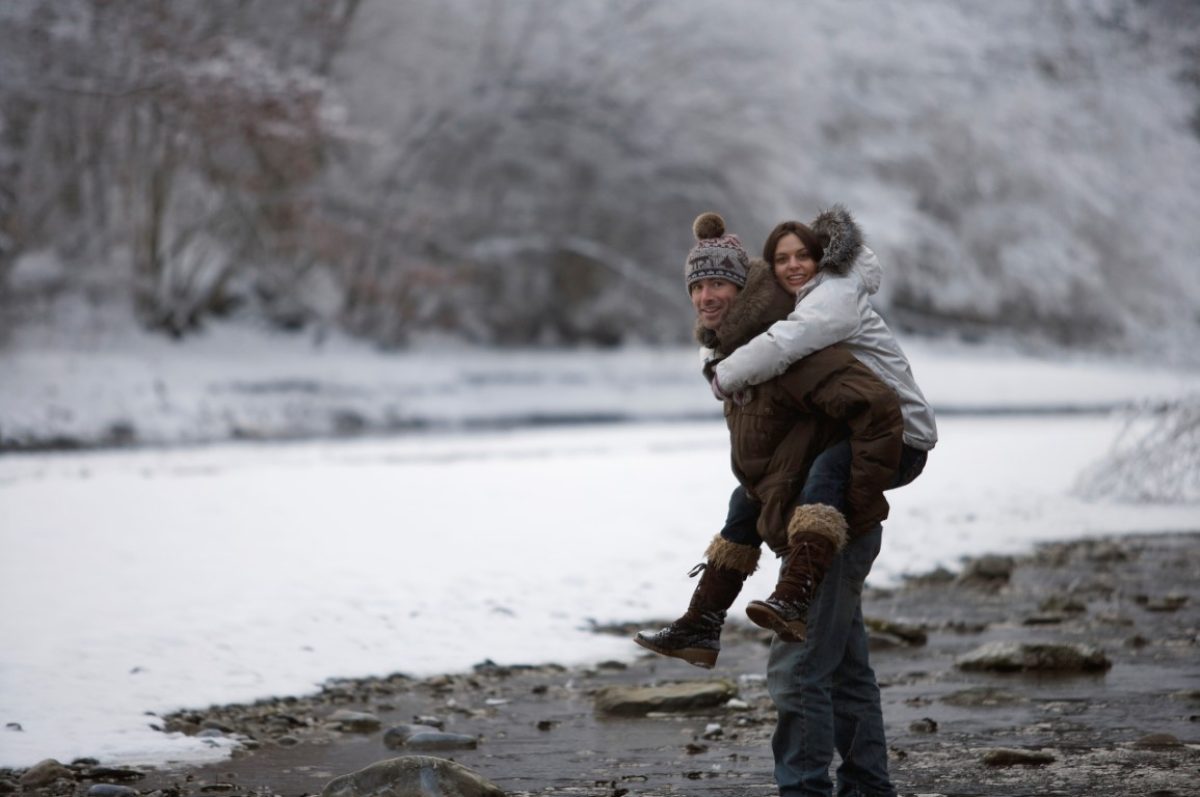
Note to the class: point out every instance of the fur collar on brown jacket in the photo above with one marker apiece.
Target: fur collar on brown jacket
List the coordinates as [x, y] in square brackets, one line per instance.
[759, 304]
[787, 421]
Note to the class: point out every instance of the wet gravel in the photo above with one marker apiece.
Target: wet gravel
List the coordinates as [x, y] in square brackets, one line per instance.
[1130, 727]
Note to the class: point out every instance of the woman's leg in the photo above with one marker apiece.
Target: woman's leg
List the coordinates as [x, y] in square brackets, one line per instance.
[730, 558]
[912, 464]
[741, 519]
[828, 477]
[816, 532]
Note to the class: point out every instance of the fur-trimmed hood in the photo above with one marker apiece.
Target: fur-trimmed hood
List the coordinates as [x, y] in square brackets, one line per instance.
[760, 303]
[841, 237]
[845, 252]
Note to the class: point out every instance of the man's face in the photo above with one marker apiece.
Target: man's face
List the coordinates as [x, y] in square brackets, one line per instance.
[794, 266]
[712, 297]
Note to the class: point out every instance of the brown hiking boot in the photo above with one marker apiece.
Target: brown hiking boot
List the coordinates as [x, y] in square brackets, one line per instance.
[696, 636]
[815, 535]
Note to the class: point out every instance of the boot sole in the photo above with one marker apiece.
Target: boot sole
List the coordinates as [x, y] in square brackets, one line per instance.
[763, 616]
[700, 657]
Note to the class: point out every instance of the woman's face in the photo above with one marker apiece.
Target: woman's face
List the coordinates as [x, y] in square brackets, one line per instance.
[793, 265]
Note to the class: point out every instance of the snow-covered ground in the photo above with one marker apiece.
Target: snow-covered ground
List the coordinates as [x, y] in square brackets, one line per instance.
[145, 580]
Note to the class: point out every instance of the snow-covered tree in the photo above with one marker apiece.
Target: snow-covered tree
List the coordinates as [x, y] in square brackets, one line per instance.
[523, 171]
[180, 138]
[1156, 460]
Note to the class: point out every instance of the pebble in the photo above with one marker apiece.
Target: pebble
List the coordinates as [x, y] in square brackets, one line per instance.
[1008, 757]
[354, 721]
[398, 735]
[1158, 741]
[434, 722]
[115, 773]
[1034, 657]
[1044, 619]
[1062, 604]
[440, 740]
[111, 790]
[924, 725]
[633, 701]
[908, 633]
[44, 773]
[412, 776]
[1105, 551]
[878, 642]
[1172, 602]
[983, 697]
[988, 571]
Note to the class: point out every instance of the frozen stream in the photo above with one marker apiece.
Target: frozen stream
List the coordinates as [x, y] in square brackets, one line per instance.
[150, 580]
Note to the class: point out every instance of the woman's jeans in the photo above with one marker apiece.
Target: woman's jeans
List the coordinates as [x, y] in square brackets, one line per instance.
[825, 691]
[826, 484]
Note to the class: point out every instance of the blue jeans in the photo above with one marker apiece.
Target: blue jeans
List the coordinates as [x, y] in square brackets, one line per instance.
[825, 690]
[741, 521]
[830, 473]
[826, 484]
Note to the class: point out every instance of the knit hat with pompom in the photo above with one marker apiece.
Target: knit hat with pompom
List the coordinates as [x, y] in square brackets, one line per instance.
[716, 255]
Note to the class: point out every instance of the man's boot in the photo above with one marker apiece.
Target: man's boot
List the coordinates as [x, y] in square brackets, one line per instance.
[815, 535]
[696, 636]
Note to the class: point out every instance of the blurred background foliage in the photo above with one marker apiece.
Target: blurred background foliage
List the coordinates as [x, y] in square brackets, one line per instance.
[526, 172]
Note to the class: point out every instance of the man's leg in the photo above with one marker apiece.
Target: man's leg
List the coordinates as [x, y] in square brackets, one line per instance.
[800, 676]
[858, 721]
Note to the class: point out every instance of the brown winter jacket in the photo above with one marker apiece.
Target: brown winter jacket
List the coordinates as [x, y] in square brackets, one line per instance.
[786, 422]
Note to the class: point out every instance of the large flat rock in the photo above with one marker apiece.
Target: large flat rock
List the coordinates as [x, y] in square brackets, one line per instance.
[637, 701]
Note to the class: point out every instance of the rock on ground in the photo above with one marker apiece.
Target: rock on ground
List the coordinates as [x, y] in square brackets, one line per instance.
[624, 701]
[412, 776]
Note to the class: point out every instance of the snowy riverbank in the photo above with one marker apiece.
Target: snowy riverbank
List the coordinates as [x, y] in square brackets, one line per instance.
[154, 579]
[236, 382]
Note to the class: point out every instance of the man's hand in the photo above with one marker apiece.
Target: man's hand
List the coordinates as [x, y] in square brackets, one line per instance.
[739, 397]
[710, 373]
[742, 397]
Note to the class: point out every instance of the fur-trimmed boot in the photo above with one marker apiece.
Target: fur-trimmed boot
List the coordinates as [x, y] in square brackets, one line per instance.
[815, 535]
[696, 636]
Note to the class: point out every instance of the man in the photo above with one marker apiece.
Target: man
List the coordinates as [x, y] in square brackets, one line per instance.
[824, 688]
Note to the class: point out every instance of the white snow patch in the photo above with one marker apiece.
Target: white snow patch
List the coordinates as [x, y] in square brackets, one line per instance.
[153, 580]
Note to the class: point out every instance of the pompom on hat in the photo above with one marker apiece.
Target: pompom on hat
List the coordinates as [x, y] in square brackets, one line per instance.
[716, 255]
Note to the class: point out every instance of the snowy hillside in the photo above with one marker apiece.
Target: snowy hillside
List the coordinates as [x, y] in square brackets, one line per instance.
[510, 173]
[1024, 166]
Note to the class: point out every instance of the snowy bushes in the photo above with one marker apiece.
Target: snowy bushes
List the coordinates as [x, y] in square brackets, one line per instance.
[507, 172]
[179, 139]
[1156, 460]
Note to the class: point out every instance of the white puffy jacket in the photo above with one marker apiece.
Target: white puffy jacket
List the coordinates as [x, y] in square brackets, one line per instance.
[836, 308]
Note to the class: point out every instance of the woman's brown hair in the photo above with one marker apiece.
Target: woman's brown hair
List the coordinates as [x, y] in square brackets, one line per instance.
[802, 231]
